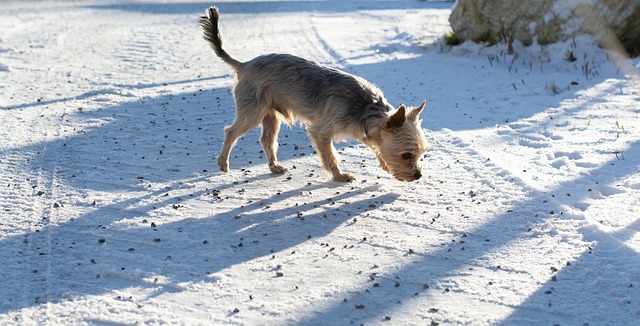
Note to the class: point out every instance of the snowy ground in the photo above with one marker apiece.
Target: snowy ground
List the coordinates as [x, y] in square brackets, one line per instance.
[113, 210]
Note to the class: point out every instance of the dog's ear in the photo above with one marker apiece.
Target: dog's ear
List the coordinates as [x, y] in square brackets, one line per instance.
[397, 119]
[413, 115]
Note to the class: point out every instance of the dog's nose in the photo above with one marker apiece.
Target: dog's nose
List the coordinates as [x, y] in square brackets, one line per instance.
[417, 175]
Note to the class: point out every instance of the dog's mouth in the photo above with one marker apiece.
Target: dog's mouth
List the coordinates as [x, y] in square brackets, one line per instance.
[409, 177]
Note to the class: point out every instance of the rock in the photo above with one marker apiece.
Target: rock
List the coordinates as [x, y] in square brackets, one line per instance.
[549, 21]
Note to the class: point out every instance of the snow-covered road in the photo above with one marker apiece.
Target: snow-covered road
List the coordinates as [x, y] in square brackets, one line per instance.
[113, 211]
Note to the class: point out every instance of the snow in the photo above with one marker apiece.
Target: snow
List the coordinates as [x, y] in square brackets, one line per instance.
[113, 210]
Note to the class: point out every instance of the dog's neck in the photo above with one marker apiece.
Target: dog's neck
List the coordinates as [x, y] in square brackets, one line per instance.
[373, 125]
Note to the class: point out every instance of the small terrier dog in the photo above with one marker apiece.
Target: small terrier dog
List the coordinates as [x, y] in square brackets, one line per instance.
[331, 103]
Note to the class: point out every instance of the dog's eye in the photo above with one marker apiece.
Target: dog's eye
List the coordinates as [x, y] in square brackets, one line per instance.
[407, 156]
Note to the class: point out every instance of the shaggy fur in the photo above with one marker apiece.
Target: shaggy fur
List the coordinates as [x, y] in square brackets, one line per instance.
[331, 103]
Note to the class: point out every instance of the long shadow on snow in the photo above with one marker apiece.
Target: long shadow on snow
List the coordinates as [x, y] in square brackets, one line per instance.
[435, 268]
[110, 90]
[148, 149]
[128, 147]
[597, 280]
[552, 303]
[165, 257]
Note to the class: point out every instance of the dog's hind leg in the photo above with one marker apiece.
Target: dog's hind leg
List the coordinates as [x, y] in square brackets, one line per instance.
[269, 141]
[325, 149]
[248, 116]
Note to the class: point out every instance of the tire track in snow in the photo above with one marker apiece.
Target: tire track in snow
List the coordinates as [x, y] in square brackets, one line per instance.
[310, 29]
[140, 49]
[31, 200]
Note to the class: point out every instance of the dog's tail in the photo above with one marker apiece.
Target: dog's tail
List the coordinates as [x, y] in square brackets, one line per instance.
[211, 33]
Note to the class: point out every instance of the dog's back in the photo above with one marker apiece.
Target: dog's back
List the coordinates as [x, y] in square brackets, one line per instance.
[309, 91]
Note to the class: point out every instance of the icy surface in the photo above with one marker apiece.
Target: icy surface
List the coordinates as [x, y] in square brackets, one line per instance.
[113, 211]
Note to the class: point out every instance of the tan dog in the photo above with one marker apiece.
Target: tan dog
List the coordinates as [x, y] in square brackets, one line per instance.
[331, 103]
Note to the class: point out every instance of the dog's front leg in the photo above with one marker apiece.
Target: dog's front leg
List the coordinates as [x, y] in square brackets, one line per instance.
[325, 149]
[383, 165]
[375, 152]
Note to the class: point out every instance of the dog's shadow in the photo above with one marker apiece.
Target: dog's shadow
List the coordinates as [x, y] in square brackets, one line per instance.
[157, 257]
[268, 228]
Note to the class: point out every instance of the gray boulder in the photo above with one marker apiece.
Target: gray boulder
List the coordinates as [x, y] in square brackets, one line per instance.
[616, 23]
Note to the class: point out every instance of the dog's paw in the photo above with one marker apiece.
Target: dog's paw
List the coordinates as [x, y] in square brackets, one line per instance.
[344, 177]
[224, 165]
[277, 169]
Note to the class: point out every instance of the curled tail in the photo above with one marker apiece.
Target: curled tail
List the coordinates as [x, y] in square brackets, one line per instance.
[211, 33]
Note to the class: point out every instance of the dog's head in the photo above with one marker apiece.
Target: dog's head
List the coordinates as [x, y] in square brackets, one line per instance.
[402, 143]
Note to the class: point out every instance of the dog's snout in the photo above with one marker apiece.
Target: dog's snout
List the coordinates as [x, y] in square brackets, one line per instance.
[417, 175]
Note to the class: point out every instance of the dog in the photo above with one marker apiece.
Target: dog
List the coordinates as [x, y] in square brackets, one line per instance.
[333, 104]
